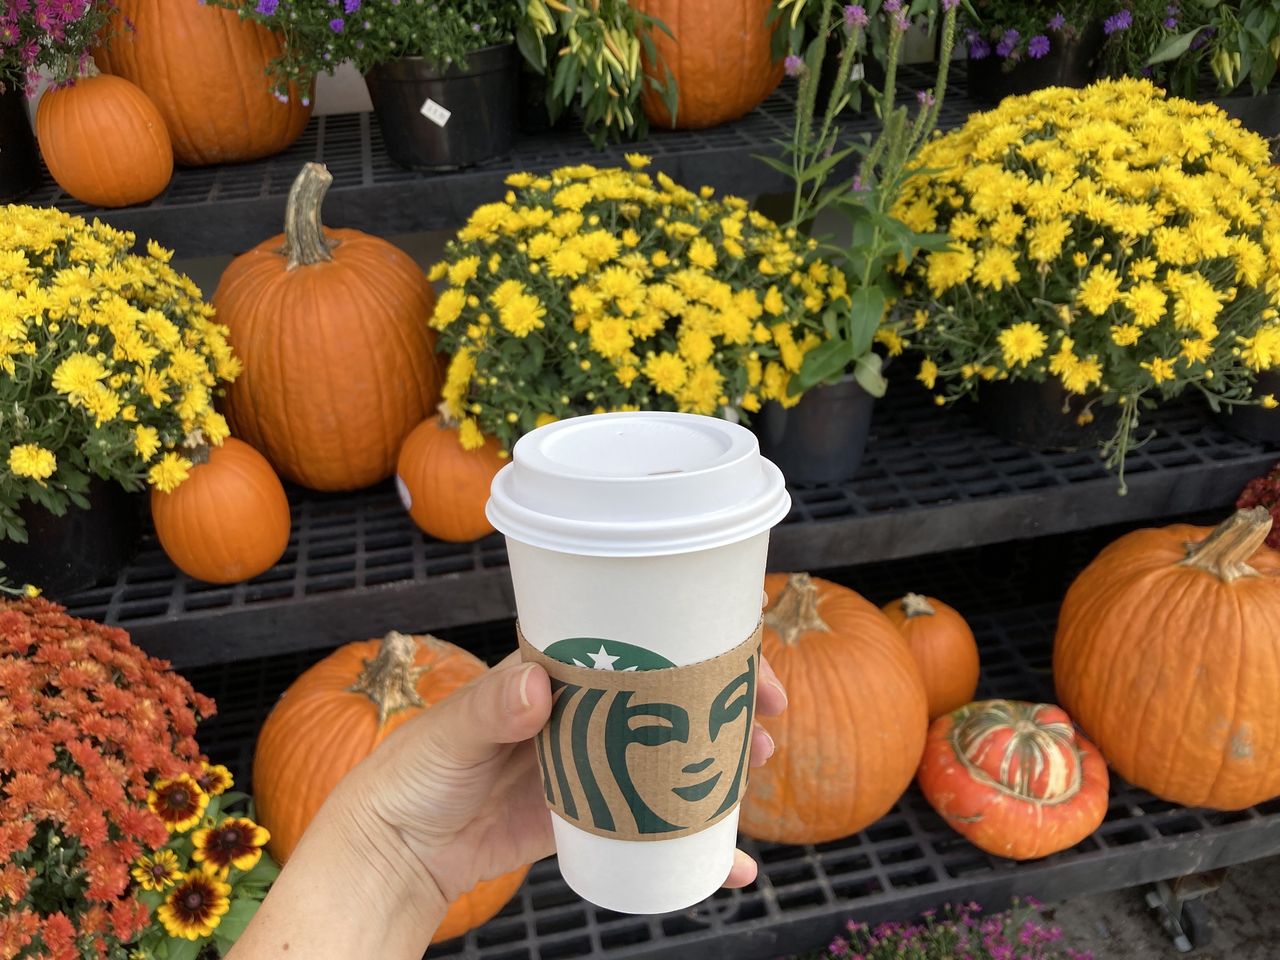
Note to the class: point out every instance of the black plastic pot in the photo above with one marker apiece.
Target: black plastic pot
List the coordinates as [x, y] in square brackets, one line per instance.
[480, 102]
[1255, 423]
[19, 159]
[1260, 113]
[822, 438]
[1069, 63]
[80, 549]
[1042, 416]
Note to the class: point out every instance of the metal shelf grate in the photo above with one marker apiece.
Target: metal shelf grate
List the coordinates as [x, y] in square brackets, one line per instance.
[931, 482]
[906, 862]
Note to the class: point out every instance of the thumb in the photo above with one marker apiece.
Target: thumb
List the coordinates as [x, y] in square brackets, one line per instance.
[506, 705]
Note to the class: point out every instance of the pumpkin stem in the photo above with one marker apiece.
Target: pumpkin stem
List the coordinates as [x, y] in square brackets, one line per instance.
[390, 679]
[1226, 551]
[304, 240]
[796, 610]
[197, 447]
[917, 605]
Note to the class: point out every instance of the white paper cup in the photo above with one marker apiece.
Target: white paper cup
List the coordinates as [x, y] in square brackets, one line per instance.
[651, 529]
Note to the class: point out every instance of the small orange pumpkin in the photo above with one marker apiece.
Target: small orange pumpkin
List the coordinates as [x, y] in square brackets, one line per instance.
[944, 648]
[229, 520]
[443, 486]
[1014, 778]
[850, 740]
[104, 141]
[1165, 655]
[721, 60]
[333, 716]
[331, 329]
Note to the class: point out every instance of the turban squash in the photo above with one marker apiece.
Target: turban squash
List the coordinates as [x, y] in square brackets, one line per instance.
[1014, 778]
[1166, 656]
[851, 737]
[333, 716]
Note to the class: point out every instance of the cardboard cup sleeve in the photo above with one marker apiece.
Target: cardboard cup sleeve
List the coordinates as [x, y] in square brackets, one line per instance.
[638, 748]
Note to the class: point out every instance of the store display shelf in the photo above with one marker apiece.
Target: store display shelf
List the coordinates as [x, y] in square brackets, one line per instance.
[932, 481]
[208, 211]
[907, 862]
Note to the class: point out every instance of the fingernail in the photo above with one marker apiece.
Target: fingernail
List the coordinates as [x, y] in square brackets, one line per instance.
[772, 746]
[524, 686]
[781, 691]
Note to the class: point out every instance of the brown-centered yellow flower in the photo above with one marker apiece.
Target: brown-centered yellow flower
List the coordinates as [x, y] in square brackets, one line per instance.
[156, 871]
[214, 779]
[195, 906]
[236, 842]
[179, 802]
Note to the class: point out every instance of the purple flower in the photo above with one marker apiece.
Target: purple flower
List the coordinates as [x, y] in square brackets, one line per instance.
[979, 49]
[267, 7]
[925, 97]
[1117, 22]
[1008, 43]
[950, 4]
[1171, 23]
[350, 6]
[1203, 37]
[892, 6]
[336, 24]
[793, 65]
[1038, 46]
[855, 15]
[1058, 21]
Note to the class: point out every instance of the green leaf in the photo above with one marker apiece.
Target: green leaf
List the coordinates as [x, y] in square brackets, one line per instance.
[232, 797]
[867, 372]
[1173, 48]
[264, 871]
[531, 47]
[824, 362]
[774, 163]
[177, 949]
[865, 312]
[237, 918]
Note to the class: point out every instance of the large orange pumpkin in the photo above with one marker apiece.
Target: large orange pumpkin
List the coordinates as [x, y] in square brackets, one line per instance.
[333, 716]
[850, 740]
[104, 142]
[721, 59]
[944, 648]
[1166, 656]
[229, 520]
[445, 487]
[1014, 778]
[331, 329]
[206, 70]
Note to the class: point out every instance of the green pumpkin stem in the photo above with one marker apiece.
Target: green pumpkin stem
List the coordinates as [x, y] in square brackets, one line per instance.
[1226, 551]
[917, 605]
[795, 612]
[305, 242]
[390, 679]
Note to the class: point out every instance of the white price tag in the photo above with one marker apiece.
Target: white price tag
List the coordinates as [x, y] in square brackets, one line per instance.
[436, 113]
[858, 72]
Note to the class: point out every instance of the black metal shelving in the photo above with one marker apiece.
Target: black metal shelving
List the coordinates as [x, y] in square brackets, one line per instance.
[906, 862]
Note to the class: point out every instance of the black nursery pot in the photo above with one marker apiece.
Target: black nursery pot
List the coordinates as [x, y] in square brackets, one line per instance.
[470, 117]
[1070, 63]
[1042, 416]
[821, 439]
[19, 159]
[1256, 424]
[82, 548]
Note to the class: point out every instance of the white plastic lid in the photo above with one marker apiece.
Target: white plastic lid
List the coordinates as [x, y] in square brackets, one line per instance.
[637, 485]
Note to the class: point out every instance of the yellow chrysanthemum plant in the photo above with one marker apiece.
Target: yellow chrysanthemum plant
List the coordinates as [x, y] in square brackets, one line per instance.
[591, 290]
[1119, 241]
[110, 363]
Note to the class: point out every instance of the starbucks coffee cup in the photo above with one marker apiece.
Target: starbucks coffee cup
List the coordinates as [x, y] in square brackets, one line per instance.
[637, 544]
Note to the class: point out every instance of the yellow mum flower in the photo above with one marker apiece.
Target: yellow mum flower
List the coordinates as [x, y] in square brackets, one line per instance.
[1022, 343]
[464, 270]
[928, 374]
[1126, 335]
[666, 371]
[1148, 302]
[167, 475]
[891, 341]
[32, 460]
[449, 307]
[1099, 290]
[636, 161]
[1082, 375]
[610, 338]
[996, 267]
[78, 374]
[1160, 369]
[146, 441]
[1196, 351]
[1269, 402]
[522, 314]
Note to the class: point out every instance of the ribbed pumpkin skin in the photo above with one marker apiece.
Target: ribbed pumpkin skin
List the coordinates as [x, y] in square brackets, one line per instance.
[320, 730]
[339, 364]
[720, 58]
[1172, 671]
[851, 737]
[104, 142]
[447, 486]
[1004, 793]
[206, 69]
[945, 651]
[228, 521]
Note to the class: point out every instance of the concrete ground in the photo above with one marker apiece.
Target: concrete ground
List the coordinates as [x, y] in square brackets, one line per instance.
[1245, 916]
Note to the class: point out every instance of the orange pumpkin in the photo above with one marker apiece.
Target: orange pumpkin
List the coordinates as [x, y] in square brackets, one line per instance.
[1165, 656]
[206, 70]
[104, 141]
[849, 742]
[229, 520]
[331, 329]
[1014, 778]
[944, 648]
[333, 716]
[443, 486]
[721, 59]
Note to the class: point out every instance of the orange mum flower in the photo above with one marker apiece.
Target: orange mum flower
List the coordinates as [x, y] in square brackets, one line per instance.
[236, 842]
[179, 802]
[214, 778]
[194, 908]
